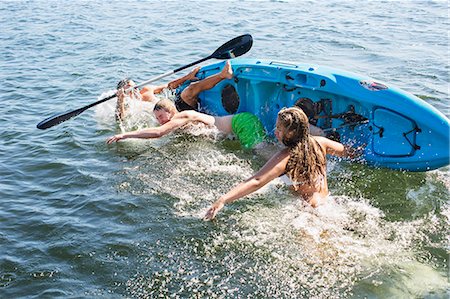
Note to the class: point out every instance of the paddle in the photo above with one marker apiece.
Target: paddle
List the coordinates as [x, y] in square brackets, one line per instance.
[231, 49]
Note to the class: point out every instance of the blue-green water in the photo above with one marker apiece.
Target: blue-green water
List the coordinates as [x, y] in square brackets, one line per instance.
[79, 218]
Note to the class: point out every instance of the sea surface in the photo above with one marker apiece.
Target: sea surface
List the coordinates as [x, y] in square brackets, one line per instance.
[79, 218]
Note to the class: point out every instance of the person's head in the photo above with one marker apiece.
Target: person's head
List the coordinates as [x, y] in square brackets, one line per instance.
[307, 106]
[164, 110]
[307, 160]
[125, 83]
[292, 126]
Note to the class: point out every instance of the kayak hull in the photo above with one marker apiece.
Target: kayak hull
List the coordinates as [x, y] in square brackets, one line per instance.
[397, 129]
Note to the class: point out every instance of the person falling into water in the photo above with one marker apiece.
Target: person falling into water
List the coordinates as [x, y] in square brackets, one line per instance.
[245, 126]
[172, 116]
[302, 163]
[185, 100]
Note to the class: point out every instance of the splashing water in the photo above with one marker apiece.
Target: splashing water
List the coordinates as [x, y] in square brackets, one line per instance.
[272, 244]
[288, 251]
[139, 114]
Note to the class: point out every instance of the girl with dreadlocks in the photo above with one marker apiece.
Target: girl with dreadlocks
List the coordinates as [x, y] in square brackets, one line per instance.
[302, 162]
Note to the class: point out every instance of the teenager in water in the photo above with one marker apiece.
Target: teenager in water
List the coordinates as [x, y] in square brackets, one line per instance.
[302, 162]
[185, 100]
[246, 126]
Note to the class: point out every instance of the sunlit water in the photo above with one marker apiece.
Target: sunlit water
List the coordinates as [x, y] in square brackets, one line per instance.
[83, 219]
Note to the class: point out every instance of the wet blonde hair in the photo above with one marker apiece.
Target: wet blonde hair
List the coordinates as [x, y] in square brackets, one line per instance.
[306, 158]
[165, 104]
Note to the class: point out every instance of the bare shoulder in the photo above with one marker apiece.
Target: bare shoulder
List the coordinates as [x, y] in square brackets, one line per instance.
[276, 166]
[283, 153]
[320, 139]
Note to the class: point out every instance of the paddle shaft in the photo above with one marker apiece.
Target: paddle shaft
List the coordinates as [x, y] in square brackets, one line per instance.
[148, 81]
[170, 73]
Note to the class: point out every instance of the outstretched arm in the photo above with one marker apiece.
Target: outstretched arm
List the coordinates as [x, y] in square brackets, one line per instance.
[177, 121]
[271, 170]
[148, 92]
[153, 89]
[154, 132]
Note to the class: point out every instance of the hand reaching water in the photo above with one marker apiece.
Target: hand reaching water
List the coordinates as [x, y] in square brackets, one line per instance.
[213, 210]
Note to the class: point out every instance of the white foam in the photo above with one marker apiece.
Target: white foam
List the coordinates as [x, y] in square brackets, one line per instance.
[323, 250]
[139, 114]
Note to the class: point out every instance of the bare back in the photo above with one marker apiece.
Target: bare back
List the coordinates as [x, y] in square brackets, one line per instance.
[317, 191]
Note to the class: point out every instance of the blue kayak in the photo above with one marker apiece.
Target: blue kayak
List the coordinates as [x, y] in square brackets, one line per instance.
[398, 129]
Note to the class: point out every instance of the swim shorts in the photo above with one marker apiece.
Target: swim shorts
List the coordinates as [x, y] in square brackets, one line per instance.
[182, 105]
[248, 128]
[179, 103]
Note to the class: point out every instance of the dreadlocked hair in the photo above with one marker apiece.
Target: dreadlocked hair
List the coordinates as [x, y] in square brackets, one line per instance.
[306, 158]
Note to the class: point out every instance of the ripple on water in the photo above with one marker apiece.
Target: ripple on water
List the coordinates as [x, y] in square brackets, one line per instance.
[79, 218]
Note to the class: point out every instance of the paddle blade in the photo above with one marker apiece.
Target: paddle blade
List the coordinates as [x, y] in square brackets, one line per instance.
[62, 117]
[58, 118]
[234, 48]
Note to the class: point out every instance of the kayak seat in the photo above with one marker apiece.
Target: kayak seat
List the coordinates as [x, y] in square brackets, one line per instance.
[230, 99]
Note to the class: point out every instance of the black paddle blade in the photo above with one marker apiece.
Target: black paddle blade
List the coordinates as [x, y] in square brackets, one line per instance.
[58, 118]
[62, 117]
[234, 48]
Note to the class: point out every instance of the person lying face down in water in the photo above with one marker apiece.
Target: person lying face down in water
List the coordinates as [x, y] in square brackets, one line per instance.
[302, 162]
[246, 126]
[185, 100]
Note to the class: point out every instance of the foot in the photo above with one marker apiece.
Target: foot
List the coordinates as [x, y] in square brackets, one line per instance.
[227, 71]
[192, 75]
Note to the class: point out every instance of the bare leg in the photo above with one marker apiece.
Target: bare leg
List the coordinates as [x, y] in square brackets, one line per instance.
[189, 94]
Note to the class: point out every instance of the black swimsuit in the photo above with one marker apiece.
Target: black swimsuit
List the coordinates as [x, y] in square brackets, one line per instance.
[179, 103]
[182, 105]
